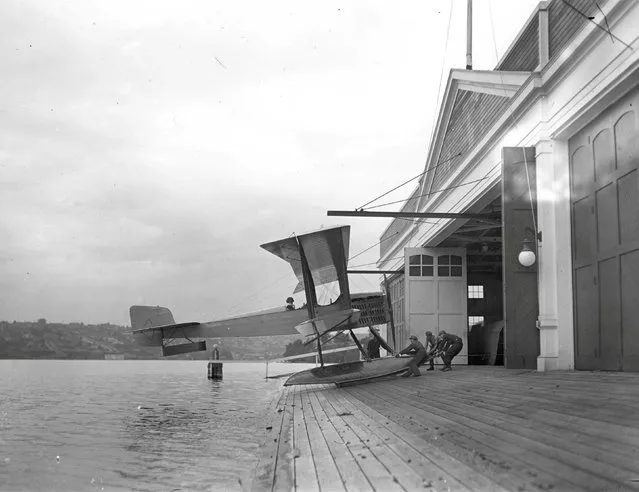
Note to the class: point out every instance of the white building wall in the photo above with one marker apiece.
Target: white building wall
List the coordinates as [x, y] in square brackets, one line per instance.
[590, 75]
[574, 95]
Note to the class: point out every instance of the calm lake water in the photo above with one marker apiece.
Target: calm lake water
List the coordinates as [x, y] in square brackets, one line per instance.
[131, 425]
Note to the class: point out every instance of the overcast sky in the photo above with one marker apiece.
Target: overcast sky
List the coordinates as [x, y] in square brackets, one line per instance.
[147, 148]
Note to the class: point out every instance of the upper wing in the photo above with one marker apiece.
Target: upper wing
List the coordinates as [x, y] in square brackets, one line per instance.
[326, 253]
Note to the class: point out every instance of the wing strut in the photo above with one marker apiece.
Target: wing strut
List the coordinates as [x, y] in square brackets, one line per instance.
[381, 341]
[328, 330]
[359, 345]
[311, 298]
[319, 346]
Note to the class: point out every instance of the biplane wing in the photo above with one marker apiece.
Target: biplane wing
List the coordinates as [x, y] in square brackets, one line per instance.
[326, 253]
[317, 258]
[320, 258]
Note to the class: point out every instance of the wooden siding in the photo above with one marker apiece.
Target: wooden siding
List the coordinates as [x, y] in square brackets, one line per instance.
[564, 23]
[472, 115]
[472, 429]
[524, 56]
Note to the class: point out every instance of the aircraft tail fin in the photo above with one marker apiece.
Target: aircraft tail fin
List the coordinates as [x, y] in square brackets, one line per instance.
[150, 317]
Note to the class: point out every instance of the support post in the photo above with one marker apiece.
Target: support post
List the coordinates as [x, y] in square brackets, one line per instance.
[469, 35]
[215, 370]
[555, 322]
[319, 345]
[359, 345]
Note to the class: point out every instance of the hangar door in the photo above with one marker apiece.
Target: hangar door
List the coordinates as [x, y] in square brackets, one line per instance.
[436, 294]
[605, 235]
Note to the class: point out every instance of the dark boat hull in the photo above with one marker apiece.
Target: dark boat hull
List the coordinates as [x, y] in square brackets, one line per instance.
[350, 372]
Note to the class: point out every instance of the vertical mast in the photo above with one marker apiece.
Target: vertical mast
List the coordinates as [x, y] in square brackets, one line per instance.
[469, 36]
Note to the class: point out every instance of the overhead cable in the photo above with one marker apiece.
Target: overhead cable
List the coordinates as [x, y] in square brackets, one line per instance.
[428, 194]
[409, 180]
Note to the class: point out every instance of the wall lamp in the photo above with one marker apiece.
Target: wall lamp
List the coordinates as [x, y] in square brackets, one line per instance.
[527, 256]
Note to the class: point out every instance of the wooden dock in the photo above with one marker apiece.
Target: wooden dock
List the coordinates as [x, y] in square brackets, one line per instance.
[473, 429]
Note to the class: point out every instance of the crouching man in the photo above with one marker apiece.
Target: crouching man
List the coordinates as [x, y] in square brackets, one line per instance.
[448, 345]
[418, 351]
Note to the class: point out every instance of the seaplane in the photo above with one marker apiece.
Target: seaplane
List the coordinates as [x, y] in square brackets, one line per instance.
[317, 258]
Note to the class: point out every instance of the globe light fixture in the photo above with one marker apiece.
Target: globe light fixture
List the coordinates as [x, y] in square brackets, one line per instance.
[526, 256]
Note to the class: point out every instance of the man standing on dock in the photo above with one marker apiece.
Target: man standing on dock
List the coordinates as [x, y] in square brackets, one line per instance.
[449, 346]
[431, 343]
[418, 351]
[373, 346]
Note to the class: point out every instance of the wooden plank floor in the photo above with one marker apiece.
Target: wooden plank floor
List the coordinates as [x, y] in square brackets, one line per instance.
[472, 429]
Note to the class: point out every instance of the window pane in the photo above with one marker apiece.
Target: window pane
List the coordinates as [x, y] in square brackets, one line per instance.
[455, 271]
[475, 291]
[413, 271]
[442, 271]
[443, 260]
[455, 260]
[414, 260]
[427, 260]
[427, 271]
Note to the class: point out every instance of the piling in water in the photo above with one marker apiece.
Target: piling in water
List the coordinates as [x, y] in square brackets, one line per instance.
[215, 370]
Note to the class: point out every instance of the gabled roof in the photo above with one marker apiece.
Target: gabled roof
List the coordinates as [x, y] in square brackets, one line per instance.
[491, 89]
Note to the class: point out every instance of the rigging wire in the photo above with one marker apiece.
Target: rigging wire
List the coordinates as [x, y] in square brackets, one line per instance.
[371, 247]
[231, 311]
[374, 262]
[411, 179]
[429, 193]
[432, 131]
[532, 209]
[523, 149]
[592, 19]
[606, 21]
[452, 209]
[441, 72]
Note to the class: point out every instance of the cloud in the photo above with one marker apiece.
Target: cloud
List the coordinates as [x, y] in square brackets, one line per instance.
[147, 148]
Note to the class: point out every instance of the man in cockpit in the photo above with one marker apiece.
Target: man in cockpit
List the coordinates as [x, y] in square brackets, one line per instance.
[290, 304]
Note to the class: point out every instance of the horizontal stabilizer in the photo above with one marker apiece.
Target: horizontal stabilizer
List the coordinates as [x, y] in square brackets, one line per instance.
[168, 327]
[183, 348]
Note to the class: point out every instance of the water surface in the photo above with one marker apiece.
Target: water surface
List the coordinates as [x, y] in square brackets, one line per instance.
[131, 425]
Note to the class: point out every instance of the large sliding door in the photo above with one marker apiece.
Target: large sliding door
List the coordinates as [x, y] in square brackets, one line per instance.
[436, 293]
[604, 168]
[521, 299]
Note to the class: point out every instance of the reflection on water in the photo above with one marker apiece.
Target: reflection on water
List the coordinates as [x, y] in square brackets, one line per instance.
[130, 425]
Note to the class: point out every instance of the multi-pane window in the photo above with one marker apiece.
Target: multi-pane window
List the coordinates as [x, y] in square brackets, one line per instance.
[475, 292]
[420, 266]
[449, 266]
[475, 320]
